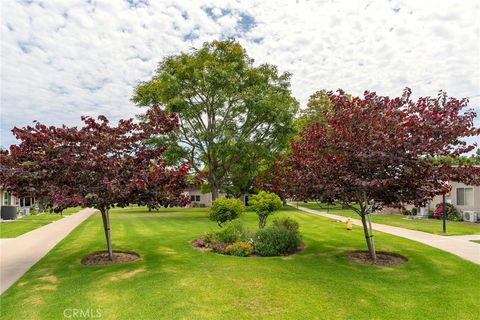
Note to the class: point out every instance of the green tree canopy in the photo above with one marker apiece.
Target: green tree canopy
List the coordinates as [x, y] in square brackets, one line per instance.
[264, 204]
[227, 107]
[459, 160]
[317, 104]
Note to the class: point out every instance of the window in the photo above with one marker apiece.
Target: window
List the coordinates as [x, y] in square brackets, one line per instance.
[6, 199]
[464, 196]
[195, 198]
[26, 202]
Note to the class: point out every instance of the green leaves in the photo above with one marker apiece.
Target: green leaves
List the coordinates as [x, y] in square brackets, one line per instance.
[264, 204]
[225, 209]
[226, 106]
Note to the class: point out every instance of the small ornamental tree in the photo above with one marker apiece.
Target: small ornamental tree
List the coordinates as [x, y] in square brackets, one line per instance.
[224, 209]
[98, 165]
[378, 150]
[264, 204]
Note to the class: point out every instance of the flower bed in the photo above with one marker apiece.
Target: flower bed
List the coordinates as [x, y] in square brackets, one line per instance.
[281, 238]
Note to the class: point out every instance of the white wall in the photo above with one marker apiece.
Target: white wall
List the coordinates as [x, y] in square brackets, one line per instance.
[452, 198]
[206, 198]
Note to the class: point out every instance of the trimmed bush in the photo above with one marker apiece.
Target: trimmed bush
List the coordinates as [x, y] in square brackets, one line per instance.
[287, 223]
[239, 249]
[451, 211]
[224, 210]
[264, 204]
[233, 231]
[277, 240]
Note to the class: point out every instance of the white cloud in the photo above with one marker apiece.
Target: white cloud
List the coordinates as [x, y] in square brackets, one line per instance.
[64, 59]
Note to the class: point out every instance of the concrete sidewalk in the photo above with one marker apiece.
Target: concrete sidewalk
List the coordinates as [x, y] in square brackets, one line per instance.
[457, 245]
[17, 255]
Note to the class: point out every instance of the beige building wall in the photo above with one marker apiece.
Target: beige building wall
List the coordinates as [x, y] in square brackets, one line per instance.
[205, 199]
[473, 197]
[201, 199]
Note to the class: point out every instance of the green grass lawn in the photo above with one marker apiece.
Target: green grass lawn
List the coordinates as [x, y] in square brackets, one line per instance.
[13, 229]
[70, 211]
[477, 241]
[176, 281]
[398, 220]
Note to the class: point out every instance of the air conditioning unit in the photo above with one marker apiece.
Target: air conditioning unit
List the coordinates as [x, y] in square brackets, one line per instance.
[25, 211]
[470, 216]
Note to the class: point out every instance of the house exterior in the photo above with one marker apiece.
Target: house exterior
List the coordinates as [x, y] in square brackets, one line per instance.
[7, 199]
[199, 199]
[23, 204]
[463, 197]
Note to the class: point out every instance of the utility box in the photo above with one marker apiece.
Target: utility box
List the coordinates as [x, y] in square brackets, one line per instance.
[470, 216]
[8, 212]
[422, 212]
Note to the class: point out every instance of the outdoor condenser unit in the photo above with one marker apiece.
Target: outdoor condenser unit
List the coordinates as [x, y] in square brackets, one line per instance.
[470, 216]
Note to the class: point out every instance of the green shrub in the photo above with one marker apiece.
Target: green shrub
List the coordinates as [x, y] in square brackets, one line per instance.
[264, 204]
[288, 223]
[277, 240]
[233, 231]
[33, 211]
[451, 211]
[224, 210]
[240, 249]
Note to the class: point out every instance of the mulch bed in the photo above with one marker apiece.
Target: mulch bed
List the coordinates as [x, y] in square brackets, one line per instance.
[101, 257]
[383, 258]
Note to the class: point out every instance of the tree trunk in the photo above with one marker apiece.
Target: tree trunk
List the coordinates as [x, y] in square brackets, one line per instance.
[372, 240]
[369, 238]
[106, 228]
[214, 192]
[262, 221]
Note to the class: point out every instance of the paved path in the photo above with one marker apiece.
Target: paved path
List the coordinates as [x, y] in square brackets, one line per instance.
[17, 255]
[457, 245]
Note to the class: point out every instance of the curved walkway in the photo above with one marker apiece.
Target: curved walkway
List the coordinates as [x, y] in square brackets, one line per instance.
[18, 254]
[457, 245]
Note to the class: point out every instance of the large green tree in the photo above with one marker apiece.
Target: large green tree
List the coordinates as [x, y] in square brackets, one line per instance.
[317, 105]
[227, 107]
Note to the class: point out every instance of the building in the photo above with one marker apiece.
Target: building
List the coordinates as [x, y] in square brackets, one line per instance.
[7, 199]
[199, 199]
[23, 204]
[462, 196]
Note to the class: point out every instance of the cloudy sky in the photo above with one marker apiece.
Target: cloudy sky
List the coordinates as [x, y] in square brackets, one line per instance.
[64, 59]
